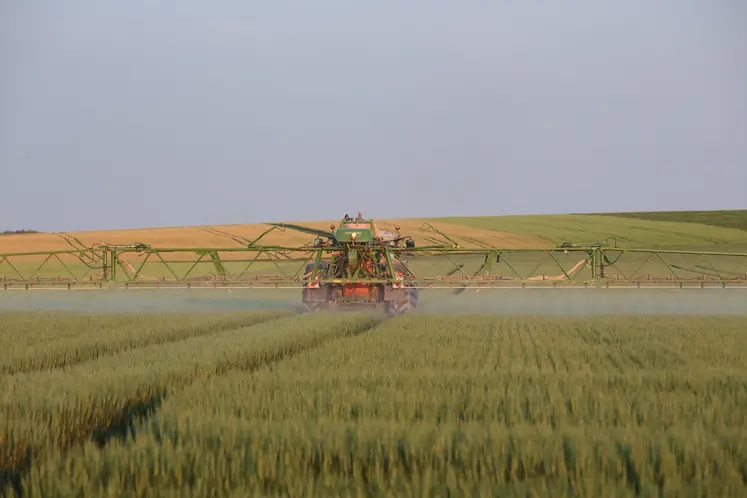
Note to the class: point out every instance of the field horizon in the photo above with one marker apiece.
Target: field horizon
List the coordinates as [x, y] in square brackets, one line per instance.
[698, 230]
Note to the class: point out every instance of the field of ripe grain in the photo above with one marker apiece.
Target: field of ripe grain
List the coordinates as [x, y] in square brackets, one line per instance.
[264, 403]
[82, 266]
[721, 231]
[630, 229]
[240, 235]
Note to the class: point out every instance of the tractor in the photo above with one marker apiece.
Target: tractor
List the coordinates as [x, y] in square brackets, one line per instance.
[356, 271]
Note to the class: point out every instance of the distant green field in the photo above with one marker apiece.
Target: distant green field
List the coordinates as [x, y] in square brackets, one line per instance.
[628, 231]
[725, 219]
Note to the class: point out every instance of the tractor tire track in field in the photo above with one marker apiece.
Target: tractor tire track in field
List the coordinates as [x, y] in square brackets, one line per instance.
[11, 478]
[127, 426]
[91, 353]
[139, 412]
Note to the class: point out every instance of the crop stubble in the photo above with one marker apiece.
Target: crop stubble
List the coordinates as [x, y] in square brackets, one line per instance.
[426, 404]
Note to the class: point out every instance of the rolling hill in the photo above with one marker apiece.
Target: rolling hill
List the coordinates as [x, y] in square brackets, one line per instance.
[717, 230]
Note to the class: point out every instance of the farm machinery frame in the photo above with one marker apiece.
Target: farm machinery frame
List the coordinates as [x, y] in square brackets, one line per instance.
[356, 264]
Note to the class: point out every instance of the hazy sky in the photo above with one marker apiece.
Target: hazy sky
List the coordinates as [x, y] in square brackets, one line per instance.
[139, 114]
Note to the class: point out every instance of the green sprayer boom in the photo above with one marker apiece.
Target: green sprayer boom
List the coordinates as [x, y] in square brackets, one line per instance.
[359, 264]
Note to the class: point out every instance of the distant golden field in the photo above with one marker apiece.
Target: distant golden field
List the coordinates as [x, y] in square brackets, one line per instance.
[718, 232]
[715, 230]
[224, 236]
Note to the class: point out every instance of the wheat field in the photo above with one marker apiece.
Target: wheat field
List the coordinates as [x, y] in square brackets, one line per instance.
[228, 236]
[269, 403]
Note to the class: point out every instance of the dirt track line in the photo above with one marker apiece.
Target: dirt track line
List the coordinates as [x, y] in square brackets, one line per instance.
[140, 416]
[138, 413]
[181, 334]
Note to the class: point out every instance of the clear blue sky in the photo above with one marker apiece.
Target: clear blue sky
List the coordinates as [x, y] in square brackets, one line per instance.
[139, 114]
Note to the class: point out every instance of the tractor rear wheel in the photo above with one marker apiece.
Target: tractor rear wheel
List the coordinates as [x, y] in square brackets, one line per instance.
[314, 306]
[399, 308]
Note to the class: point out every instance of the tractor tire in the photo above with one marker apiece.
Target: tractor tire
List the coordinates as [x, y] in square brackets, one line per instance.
[314, 306]
[399, 308]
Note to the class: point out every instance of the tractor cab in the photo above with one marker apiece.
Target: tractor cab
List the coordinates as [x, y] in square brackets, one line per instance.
[364, 231]
[355, 230]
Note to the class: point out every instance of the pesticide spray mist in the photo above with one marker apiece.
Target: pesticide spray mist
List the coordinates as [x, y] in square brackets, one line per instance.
[517, 301]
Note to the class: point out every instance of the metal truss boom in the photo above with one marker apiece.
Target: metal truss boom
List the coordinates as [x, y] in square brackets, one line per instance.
[140, 265]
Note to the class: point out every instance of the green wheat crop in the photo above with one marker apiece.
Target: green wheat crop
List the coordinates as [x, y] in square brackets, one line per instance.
[446, 405]
[57, 409]
[35, 344]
